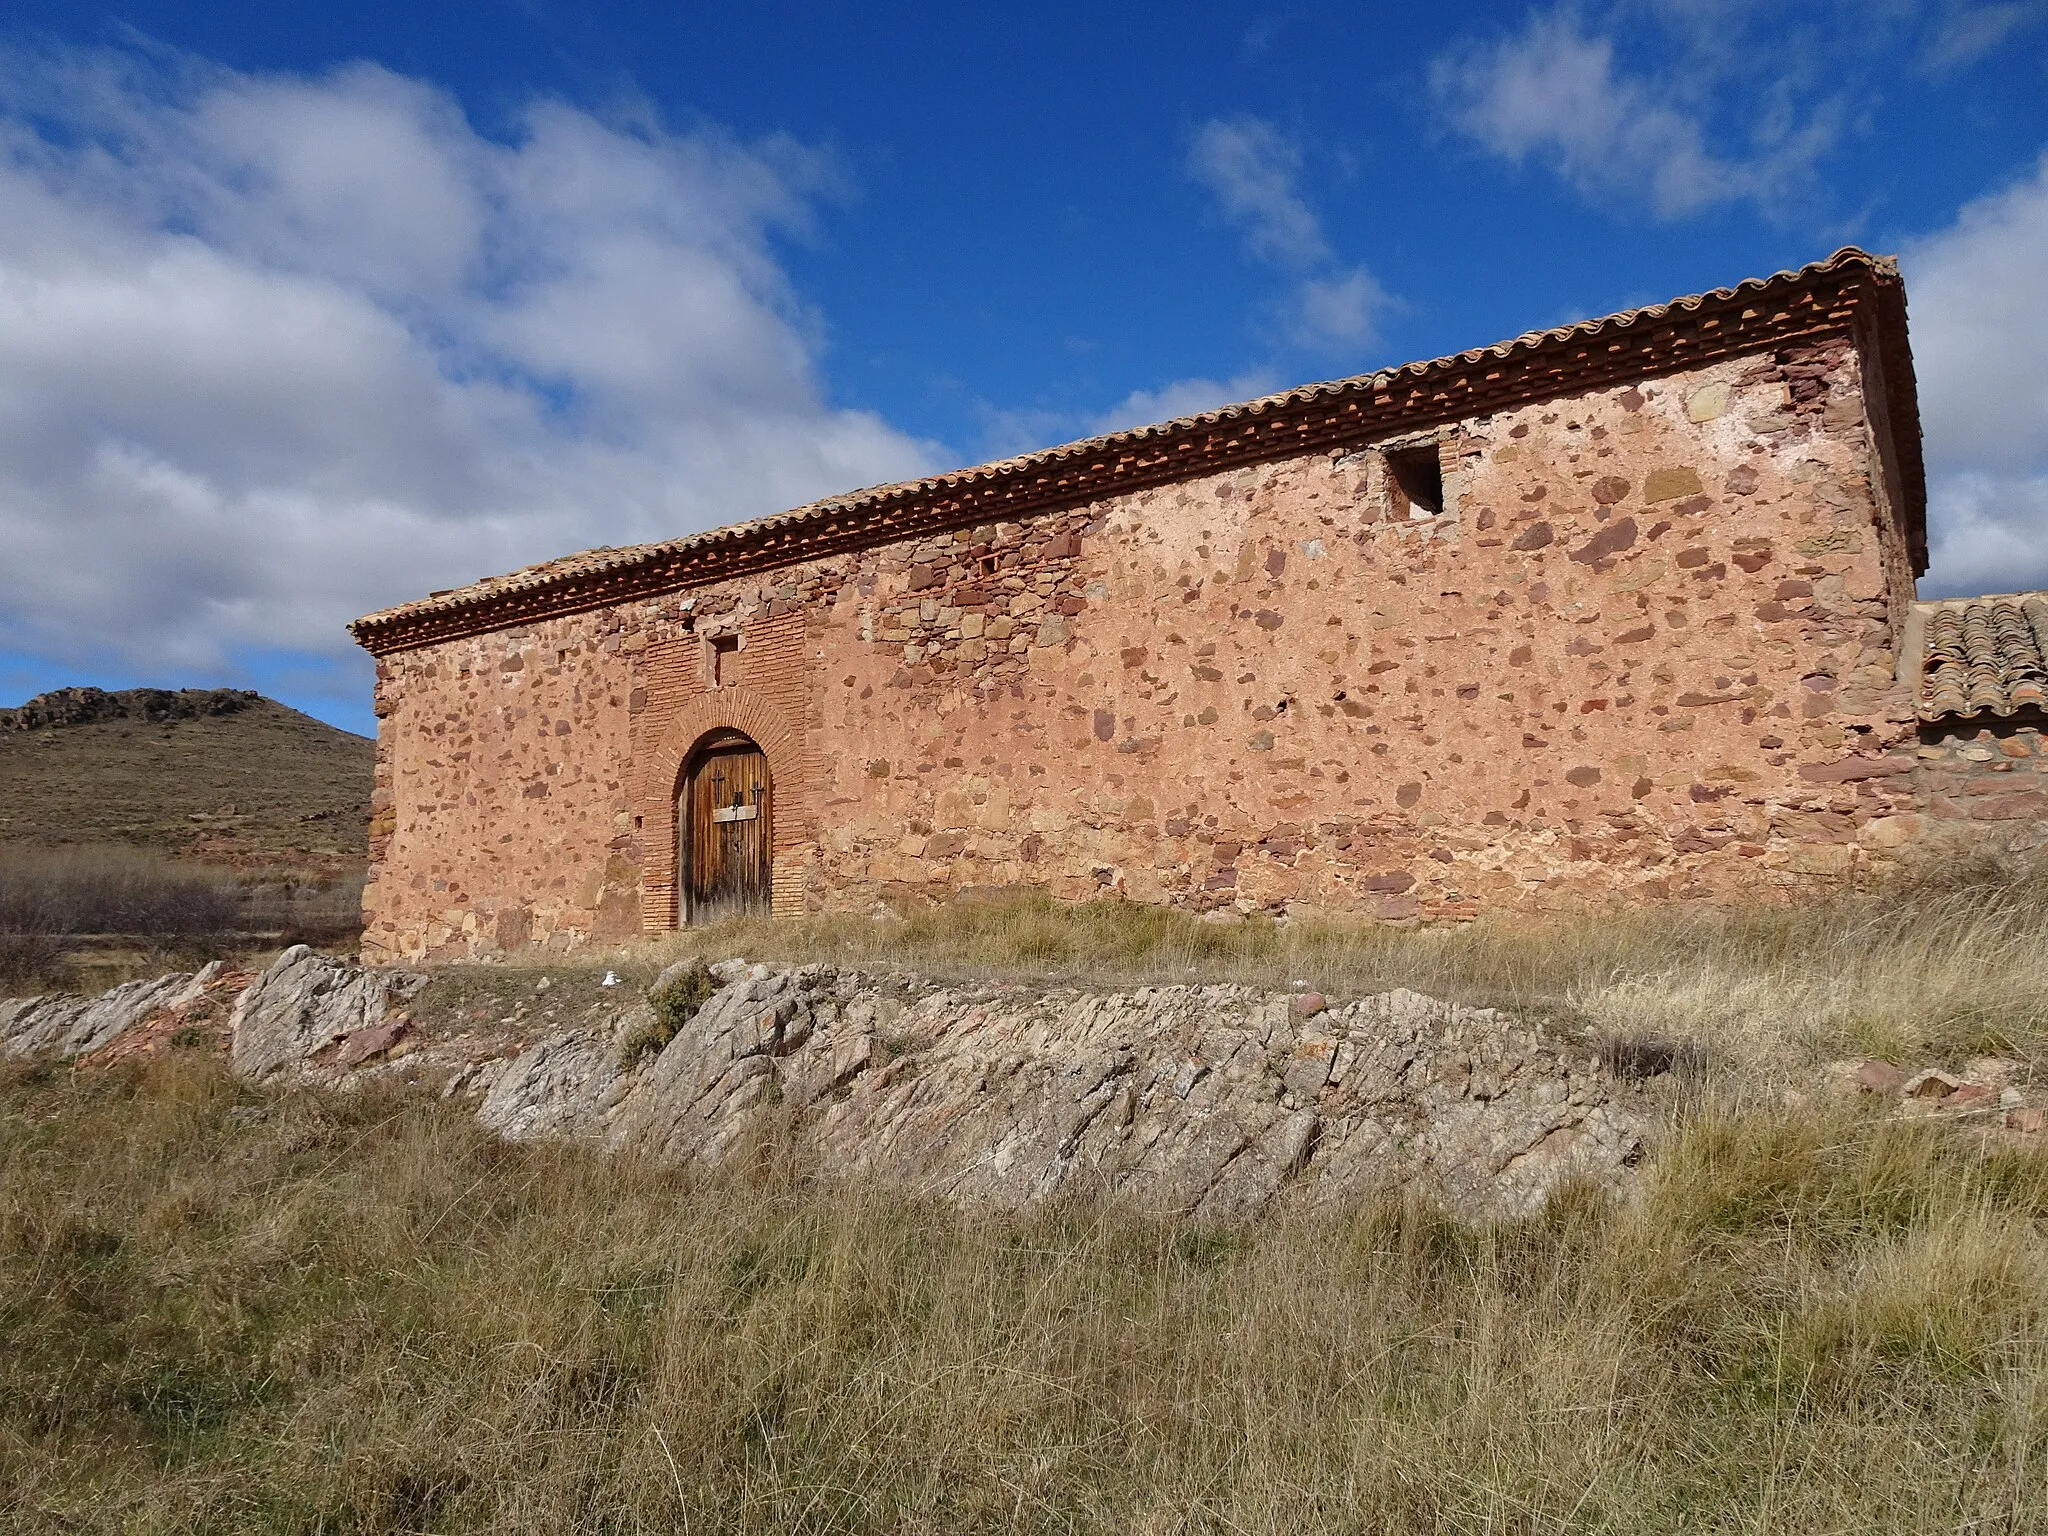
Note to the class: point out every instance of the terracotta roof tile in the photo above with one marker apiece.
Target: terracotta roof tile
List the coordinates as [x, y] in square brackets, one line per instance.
[1985, 656]
[1554, 359]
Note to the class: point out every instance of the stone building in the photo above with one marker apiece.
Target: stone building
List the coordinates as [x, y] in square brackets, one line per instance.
[1624, 609]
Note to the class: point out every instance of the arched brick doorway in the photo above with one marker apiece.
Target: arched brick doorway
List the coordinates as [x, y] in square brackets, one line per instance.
[666, 741]
[725, 837]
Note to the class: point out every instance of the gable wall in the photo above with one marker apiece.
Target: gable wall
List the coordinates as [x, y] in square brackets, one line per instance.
[1646, 650]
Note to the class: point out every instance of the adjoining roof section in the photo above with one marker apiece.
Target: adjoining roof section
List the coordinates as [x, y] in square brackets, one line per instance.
[1985, 656]
[1850, 291]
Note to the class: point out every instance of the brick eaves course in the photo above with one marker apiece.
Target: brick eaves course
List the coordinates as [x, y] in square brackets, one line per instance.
[1825, 297]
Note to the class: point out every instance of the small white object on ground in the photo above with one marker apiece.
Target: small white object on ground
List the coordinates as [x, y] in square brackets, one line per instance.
[609, 980]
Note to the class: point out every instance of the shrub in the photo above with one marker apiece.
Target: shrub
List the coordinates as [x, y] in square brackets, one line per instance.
[178, 912]
[1638, 1057]
[672, 1001]
[114, 891]
[29, 960]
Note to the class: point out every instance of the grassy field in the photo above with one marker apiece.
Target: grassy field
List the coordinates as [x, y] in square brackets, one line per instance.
[230, 1314]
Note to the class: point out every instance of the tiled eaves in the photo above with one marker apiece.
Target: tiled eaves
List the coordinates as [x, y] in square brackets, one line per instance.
[1984, 656]
[1850, 290]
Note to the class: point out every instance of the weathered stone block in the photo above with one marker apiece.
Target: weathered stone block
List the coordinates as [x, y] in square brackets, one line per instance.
[1670, 483]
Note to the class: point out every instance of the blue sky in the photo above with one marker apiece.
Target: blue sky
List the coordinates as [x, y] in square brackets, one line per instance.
[304, 311]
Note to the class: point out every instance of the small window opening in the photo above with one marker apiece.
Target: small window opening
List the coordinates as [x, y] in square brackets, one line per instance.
[725, 660]
[987, 565]
[1420, 476]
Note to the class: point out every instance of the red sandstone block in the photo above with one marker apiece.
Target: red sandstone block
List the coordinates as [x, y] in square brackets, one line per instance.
[1853, 768]
[1993, 779]
[2010, 808]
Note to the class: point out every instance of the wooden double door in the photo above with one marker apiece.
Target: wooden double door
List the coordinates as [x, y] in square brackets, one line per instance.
[723, 828]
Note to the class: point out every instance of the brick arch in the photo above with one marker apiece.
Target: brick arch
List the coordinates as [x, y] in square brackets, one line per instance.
[781, 741]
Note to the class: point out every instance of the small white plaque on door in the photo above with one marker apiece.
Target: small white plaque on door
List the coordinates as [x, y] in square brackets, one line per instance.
[735, 812]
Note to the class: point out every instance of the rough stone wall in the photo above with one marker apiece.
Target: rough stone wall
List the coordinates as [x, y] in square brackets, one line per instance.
[1646, 648]
[1987, 777]
[501, 815]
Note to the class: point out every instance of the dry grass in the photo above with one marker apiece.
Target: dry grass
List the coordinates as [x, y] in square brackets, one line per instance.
[362, 1315]
[1941, 963]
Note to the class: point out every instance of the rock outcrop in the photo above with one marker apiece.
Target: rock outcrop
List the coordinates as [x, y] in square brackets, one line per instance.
[302, 1013]
[1204, 1102]
[89, 706]
[65, 1026]
[1197, 1101]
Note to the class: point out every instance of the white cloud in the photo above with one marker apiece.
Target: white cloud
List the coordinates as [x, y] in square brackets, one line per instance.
[1553, 93]
[1343, 307]
[1978, 297]
[1965, 33]
[1007, 433]
[275, 351]
[1987, 533]
[1253, 170]
[1182, 397]
[1252, 167]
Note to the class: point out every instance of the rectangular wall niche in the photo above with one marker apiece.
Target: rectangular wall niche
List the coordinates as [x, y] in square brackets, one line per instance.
[1417, 478]
[722, 657]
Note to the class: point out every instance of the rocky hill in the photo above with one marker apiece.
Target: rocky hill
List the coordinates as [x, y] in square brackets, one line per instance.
[220, 774]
